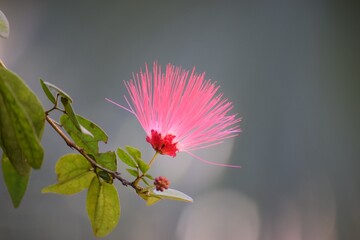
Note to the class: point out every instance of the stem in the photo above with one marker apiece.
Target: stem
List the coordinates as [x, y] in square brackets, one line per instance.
[71, 144]
[153, 158]
[137, 180]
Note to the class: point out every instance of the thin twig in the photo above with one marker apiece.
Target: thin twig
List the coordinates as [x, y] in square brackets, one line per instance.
[71, 144]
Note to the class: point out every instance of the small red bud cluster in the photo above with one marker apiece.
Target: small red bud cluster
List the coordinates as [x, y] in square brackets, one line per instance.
[161, 183]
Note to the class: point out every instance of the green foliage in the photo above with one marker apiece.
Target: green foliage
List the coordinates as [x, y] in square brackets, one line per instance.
[125, 158]
[4, 26]
[74, 174]
[133, 172]
[150, 200]
[107, 160]
[94, 130]
[70, 112]
[132, 158]
[49, 87]
[144, 180]
[16, 183]
[47, 91]
[143, 166]
[134, 152]
[103, 207]
[136, 155]
[149, 176]
[89, 142]
[96, 170]
[22, 121]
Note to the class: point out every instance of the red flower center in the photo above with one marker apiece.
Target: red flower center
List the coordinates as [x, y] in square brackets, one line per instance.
[163, 145]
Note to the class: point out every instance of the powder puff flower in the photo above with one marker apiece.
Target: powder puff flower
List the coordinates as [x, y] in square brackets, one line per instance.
[179, 110]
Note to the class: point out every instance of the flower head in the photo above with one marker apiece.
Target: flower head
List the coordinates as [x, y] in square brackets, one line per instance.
[161, 183]
[180, 110]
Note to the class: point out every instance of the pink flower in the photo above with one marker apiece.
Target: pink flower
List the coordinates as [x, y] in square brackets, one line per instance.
[180, 110]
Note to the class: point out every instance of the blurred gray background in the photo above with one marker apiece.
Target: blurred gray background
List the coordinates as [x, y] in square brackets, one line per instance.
[292, 70]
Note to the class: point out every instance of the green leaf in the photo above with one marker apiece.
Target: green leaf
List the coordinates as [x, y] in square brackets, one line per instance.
[150, 200]
[126, 158]
[134, 152]
[171, 194]
[103, 207]
[74, 174]
[95, 130]
[83, 140]
[71, 165]
[15, 183]
[4, 26]
[136, 155]
[9, 142]
[22, 121]
[59, 91]
[143, 166]
[71, 185]
[142, 179]
[70, 112]
[47, 91]
[149, 176]
[107, 160]
[105, 176]
[132, 172]
[28, 100]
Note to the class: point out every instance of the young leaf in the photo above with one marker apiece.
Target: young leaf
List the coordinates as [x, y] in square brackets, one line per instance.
[149, 176]
[107, 160]
[47, 91]
[70, 112]
[126, 158]
[86, 141]
[143, 166]
[136, 154]
[4, 26]
[103, 207]
[142, 179]
[59, 91]
[22, 121]
[73, 174]
[15, 183]
[150, 200]
[132, 172]
[97, 133]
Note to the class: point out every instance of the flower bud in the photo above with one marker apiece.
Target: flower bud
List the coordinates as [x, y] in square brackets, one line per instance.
[161, 183]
